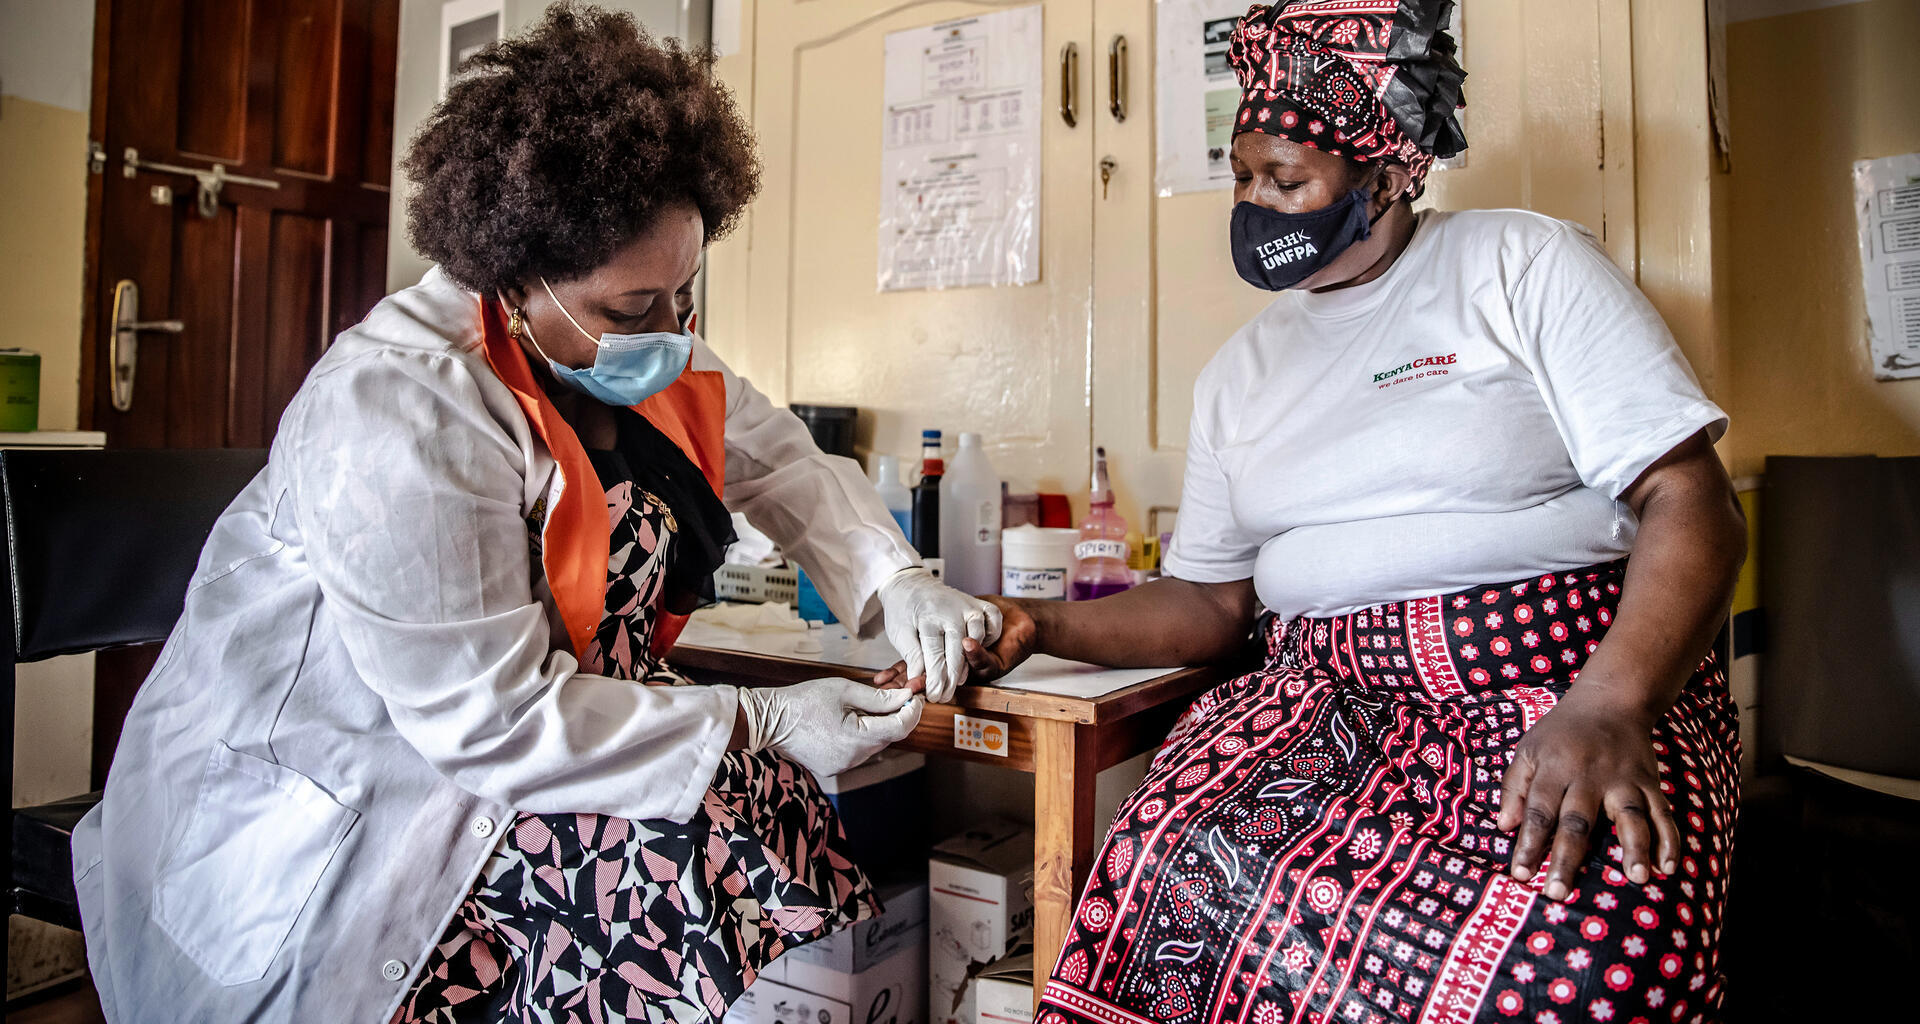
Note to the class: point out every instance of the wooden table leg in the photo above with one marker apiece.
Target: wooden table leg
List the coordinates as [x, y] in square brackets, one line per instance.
[1063, 777]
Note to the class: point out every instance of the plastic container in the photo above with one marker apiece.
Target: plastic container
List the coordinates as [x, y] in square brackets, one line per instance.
[830, 425]
[1037, 561]
[893, 491]
[808, 604]
[970, 520]
[1101, 556]
[19, 390]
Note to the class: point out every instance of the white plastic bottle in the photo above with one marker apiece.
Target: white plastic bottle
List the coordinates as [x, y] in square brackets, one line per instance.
[893, 491]
[970, 520]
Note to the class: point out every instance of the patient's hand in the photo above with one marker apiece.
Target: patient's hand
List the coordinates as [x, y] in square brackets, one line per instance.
[1019, 636]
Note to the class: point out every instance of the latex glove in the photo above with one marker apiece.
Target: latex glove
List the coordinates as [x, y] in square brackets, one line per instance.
[926, 621]
[829, 725]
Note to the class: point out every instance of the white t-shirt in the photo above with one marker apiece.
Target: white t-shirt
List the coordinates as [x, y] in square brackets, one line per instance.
[1472, 416]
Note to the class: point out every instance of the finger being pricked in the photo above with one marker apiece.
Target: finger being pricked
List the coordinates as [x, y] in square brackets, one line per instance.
[894, 677]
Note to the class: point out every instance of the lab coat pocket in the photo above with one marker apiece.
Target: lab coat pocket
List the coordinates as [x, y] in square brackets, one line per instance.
[258, 840]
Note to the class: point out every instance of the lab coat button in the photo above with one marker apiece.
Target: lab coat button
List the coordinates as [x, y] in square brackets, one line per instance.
[393, 970]
[483, 827]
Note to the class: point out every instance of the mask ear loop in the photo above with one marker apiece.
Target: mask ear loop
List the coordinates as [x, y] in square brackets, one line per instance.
[563, 311]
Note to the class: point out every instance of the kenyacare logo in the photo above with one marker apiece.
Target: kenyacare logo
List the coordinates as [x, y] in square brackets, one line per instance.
[1288, 248]
[1425, 366]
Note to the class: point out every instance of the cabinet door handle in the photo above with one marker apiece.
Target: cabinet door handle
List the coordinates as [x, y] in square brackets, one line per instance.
[1069, 83]
[1117, 77]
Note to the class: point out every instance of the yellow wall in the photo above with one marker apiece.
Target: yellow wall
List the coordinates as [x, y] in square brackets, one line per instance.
[1811, 93]
[43, 213]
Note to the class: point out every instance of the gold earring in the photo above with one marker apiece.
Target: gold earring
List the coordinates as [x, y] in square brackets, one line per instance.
[515, 323]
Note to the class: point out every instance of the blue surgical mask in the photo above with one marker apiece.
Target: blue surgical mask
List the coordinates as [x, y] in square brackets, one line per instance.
[627, 368]
[1276, 251]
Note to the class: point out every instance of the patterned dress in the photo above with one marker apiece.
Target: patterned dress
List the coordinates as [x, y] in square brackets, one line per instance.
[580, 918]
[1316, 842]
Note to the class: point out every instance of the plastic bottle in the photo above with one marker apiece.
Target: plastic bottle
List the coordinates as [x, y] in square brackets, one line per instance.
[926, 503]
[893, 491]
[970, 520]
[1102, 551]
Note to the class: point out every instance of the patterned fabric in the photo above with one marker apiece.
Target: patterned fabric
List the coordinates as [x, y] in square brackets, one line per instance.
[1363, 79]
[1316, 841]
[580, 918]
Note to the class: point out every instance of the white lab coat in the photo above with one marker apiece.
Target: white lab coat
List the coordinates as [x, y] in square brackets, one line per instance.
[365, 685]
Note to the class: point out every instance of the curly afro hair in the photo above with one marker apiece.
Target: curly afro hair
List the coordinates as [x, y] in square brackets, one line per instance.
[555, 148]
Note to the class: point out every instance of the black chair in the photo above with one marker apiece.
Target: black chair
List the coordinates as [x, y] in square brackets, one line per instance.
[100, 546]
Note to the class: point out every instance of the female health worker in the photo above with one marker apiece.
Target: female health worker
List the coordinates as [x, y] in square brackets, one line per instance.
[1489, 770]
[412, 752]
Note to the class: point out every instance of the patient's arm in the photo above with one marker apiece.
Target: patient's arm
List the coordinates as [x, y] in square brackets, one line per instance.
[1165, 622]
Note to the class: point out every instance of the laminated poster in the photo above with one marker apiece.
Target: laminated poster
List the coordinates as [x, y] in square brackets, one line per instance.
[1886, 197]
[960, 153]
[1198, 94]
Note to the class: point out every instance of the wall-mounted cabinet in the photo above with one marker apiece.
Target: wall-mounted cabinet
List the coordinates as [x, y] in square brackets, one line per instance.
[1136, 291]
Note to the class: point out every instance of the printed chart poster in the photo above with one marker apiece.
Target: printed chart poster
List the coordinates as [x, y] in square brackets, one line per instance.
[960, 153]
[1886, 196]
[1198, 94]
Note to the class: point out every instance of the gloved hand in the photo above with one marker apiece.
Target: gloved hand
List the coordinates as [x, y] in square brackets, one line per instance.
[829, 725]
[926, 620]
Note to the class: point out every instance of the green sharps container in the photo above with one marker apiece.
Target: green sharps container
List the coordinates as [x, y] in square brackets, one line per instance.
[19, 390]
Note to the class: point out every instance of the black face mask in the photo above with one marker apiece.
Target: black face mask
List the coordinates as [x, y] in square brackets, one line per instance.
[1276, 251]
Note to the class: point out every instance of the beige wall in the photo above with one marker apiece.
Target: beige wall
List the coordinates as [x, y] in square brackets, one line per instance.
[46, 54]
[1811, 93]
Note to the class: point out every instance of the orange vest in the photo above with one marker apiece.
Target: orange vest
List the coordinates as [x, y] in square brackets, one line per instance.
[691, 412]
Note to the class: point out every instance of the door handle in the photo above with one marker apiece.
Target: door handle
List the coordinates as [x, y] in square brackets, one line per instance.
[1117, 77]
[1069, 84]
[123, 348]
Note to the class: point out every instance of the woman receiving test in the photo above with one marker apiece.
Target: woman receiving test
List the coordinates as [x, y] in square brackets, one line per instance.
[1488, 771]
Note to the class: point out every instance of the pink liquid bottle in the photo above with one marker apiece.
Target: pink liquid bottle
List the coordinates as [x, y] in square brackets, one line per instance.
[1101, 555]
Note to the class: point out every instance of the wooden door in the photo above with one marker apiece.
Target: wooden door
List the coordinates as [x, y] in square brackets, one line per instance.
[298, 93]
[295, 93]
[792, 299]
[1166, 293]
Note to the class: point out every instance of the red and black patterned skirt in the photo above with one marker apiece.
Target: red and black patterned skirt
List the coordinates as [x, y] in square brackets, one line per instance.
[1316, 841]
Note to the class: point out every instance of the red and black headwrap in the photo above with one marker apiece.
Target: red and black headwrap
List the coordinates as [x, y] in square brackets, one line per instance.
[1364, 79]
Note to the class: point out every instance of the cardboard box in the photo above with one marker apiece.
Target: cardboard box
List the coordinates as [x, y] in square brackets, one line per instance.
[979, 907]
[1003, 992]
[888, 992]
[769, 1002]
[833, 965]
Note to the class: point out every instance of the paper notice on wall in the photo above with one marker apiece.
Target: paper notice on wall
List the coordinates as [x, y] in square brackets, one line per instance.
[1197, 94]
[1886, 198]
[960, 153]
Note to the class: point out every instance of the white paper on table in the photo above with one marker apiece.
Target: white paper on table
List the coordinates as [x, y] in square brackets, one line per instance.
[1058, 677]
[1198, 94]
[960, 153]
[1886, 200]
